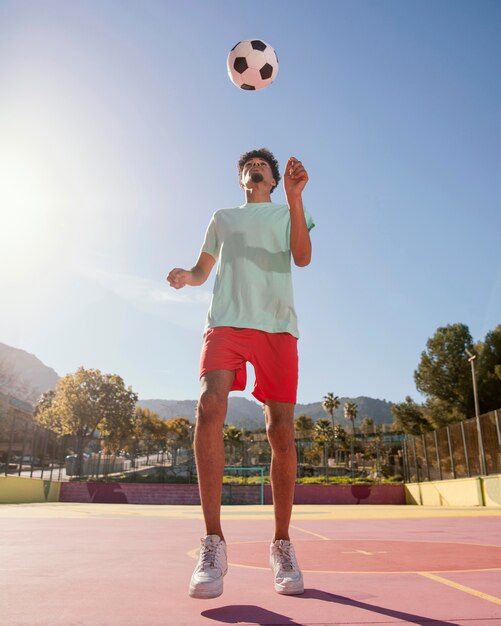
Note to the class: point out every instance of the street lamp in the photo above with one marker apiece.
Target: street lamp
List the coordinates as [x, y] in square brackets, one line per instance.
[191, 430]
[471, 360]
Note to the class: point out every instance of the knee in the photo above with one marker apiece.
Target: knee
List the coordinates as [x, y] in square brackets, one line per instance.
[281, 439]
[211, 408]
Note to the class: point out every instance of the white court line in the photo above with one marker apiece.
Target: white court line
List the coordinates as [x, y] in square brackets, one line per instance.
[309, 532]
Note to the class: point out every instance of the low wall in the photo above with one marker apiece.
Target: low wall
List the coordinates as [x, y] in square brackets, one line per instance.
[129, 493]
[143, 493]
[482, 491]
[17, 490]
[479, 491]
[349, 494]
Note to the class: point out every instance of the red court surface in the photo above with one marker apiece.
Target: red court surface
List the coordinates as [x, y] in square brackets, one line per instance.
[129, 565]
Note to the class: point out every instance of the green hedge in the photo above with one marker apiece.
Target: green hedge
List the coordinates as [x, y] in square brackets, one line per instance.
[311, 480]
[241, 480]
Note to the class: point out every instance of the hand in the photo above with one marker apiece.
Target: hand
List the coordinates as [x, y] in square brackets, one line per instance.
[178, 278]
[295, 177]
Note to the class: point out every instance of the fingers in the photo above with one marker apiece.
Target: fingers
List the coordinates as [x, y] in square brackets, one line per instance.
[299, 172]
[295, 169]
[177, 278]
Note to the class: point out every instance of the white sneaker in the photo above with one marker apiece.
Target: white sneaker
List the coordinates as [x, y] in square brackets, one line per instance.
[288, 577]
[207, 579]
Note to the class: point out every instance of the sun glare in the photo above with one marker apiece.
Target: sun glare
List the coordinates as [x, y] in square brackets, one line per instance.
[30, 205]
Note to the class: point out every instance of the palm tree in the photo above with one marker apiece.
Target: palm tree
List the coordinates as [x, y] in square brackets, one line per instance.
[330, 404]
[324, 436]
[350, 413]
[303, 426]
[367, 425]
[323, 430]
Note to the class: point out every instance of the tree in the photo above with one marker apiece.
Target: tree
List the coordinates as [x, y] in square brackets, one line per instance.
[304, 425]
[444, 374]
[341, 438]
[410, 417]
[350, 413]
[232, 437]
[85, 402]
[44, 402]
[324, 437]
[323, 432]
[367, 425]
[330, 404]
[178, 435]
[148, 432]
[439, 413]
[489, 371]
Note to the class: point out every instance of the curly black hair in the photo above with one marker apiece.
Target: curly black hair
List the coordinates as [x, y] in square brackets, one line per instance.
[266, 155]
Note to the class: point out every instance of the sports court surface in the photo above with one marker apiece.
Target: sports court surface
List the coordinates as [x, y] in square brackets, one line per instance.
[129, 565]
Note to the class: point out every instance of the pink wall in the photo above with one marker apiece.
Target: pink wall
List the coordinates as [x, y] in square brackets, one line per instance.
[137, 493]
[350, 494]
[129, 493]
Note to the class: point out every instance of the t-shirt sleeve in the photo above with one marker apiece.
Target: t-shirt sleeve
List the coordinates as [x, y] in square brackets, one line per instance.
[211, 244]
[309, 220]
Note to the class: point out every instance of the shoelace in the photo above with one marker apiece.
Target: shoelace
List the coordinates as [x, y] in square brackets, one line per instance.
[285, 557]
[208, 554]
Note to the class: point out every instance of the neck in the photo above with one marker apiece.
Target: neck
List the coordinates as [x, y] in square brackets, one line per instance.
[257, 195]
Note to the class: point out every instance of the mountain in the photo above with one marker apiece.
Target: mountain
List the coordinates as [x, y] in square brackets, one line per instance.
[244, 413]
[379, 410]
[23, 375]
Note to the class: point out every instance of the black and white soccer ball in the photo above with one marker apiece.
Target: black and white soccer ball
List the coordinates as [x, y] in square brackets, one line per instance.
[252, 64]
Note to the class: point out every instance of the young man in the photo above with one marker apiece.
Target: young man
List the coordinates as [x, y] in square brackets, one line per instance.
[251, 318]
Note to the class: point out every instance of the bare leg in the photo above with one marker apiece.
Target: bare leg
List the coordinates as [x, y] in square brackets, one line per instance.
[280, 430]
[209, 446]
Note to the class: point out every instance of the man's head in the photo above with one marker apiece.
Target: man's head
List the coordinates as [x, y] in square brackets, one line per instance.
[258, 166]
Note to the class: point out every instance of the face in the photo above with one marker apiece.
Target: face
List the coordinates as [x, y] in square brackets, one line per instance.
[256, 171]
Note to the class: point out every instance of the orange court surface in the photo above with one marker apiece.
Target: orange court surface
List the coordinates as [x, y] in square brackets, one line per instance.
[130, 565]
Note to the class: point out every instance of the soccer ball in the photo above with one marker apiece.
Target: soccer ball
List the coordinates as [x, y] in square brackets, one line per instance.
[252, 64]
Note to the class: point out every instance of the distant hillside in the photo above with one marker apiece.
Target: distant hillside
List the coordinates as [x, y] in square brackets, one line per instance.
[30, 376]
[379, 410]
[244, 413]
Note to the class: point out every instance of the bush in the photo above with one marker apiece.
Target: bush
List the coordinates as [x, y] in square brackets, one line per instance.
[245, 480]
[344, 480]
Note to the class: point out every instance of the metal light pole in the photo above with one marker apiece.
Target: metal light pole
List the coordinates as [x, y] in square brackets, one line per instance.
[471, 360]
[352, 450]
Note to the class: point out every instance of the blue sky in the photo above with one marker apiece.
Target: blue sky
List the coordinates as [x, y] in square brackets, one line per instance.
[119, 136]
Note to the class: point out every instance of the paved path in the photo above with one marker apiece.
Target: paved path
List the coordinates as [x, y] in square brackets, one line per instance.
[129, 565]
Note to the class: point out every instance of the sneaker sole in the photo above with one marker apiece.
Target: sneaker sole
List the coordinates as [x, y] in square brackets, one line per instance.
[290, 590]
[205, 594]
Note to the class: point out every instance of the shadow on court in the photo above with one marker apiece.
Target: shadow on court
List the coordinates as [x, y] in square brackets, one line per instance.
[251, 614]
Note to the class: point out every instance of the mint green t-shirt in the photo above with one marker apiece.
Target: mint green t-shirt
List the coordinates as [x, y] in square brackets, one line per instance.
[253, 286]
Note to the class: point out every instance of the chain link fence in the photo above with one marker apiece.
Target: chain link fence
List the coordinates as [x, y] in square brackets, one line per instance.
[29, 450]
[468, 448]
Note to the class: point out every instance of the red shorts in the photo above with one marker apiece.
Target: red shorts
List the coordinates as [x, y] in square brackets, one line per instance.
[273, 355]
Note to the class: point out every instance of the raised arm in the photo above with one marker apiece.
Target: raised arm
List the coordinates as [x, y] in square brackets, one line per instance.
[198, 274]
[295, 179]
